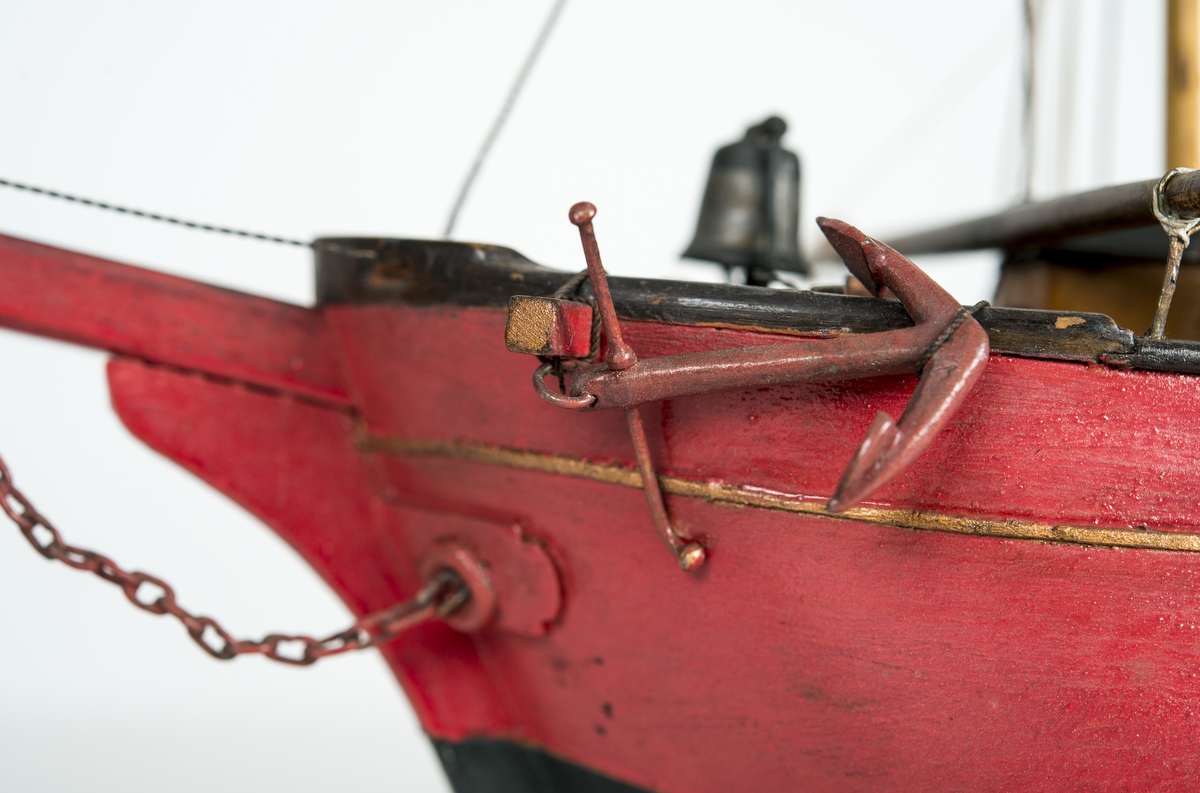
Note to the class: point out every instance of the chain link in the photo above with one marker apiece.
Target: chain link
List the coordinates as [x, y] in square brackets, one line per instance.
[441, 596]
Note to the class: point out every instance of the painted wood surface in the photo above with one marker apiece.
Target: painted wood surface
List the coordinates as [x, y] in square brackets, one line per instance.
[810, 654]
[166, 320]
[293, 464]
[1046, 440]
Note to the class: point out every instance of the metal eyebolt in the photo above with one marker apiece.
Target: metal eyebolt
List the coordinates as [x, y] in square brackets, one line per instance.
[555, 398]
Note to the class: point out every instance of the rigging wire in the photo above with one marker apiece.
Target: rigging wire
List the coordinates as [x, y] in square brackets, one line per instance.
[319, 245]
[502, 116]
[254, 235]
[505, 109]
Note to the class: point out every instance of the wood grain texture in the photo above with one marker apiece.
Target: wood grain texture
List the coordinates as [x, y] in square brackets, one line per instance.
[167, 320]
[293, 465]
[423, 273]
[1183, 84]
[812, 654]
[748, 495]
[1048, 223]
[825, 655]
[1046, 441]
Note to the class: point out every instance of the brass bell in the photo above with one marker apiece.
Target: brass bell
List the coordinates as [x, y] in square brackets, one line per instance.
[750, 216]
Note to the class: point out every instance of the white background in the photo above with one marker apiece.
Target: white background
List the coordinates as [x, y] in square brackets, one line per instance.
[306, 119]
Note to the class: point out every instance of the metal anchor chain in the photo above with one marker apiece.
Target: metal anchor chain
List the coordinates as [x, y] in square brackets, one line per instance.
[441, 596]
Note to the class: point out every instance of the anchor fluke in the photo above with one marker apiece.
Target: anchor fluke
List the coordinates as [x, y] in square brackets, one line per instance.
[953, 353]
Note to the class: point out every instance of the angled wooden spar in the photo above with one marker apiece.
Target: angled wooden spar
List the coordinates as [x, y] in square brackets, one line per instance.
[1044, 223]
[168, 320]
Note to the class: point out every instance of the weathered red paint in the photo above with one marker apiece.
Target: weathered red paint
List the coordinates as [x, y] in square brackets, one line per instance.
[810, 653]
[293, 463]
[1064, 442]
[519, 576]
[168, 320]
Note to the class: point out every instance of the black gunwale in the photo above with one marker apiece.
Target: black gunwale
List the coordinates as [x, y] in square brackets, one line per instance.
[373, 270]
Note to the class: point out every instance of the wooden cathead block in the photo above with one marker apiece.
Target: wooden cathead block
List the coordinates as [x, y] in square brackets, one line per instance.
[548, 326]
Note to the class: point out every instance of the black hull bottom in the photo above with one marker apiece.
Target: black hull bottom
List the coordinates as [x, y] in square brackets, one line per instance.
[484, 766]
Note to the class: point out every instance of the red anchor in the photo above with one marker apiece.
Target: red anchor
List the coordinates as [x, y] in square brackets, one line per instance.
[946, 346]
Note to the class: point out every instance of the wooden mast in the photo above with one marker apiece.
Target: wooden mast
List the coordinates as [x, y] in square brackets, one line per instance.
[1183, 84]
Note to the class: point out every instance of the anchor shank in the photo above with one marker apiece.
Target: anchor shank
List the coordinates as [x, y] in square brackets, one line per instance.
[712, 371]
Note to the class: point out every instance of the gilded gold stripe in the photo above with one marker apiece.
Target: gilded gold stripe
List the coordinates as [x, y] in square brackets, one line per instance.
[761, 498]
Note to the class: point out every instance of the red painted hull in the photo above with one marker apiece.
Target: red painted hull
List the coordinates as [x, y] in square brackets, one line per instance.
[811, 653]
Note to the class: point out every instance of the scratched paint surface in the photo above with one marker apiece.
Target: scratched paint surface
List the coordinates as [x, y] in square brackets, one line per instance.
[811, 653]
[292, 464]
[1046, 440]
[166, 319]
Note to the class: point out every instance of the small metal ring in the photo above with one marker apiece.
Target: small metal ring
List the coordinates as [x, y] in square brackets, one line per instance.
[480, 608]
[555, 398]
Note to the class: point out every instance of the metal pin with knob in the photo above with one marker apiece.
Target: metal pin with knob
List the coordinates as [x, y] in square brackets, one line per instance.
[620, 357]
